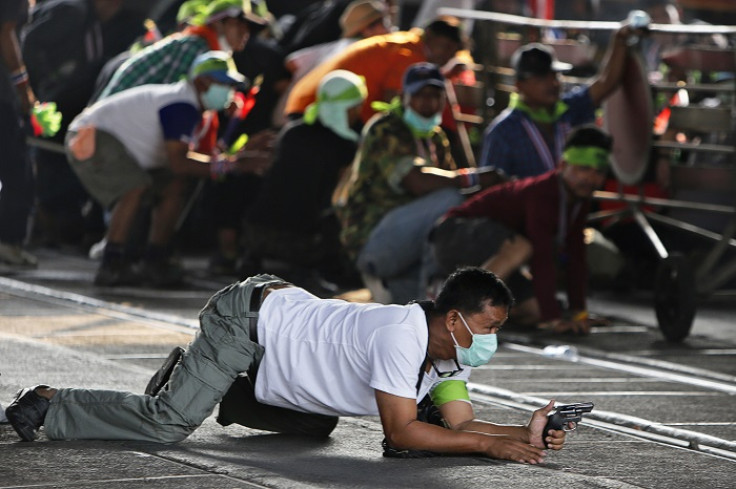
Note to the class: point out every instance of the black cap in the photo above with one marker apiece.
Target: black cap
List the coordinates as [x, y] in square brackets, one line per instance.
[419, 75]
[536, 59]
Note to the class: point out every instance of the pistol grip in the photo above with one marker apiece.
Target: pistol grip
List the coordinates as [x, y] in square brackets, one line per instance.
[555, 421]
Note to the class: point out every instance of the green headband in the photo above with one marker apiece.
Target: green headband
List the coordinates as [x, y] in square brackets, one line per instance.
[591, 156]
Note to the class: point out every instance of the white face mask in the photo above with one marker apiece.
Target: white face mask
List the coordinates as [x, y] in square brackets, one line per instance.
[217, 96]
[334, 116]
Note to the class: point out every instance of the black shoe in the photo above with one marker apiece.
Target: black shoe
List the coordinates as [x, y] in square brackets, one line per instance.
[161, 377]
[163, 273]
[27, 412]
[219, 264]
[117, 274]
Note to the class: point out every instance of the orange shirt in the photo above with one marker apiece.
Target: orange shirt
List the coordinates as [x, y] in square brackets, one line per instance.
[381, 60]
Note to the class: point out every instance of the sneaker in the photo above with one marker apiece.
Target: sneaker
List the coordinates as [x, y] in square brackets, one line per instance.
[117, 274]
[27, 412]
[97, 250]
[15, 255]
[165, 273]
[220, 264]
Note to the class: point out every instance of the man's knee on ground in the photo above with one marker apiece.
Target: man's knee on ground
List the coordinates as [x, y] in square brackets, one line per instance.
[171, 433]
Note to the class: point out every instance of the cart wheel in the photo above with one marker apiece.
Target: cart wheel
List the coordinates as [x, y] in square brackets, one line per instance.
[675, 297]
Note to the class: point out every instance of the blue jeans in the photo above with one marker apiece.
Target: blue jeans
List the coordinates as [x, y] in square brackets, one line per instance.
[16, 177]
[397, 246]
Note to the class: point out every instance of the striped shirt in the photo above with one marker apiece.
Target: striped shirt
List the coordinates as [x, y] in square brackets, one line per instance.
[514, 144]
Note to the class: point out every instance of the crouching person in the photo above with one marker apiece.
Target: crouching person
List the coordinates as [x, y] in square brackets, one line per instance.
[316, 359]
[134, 145]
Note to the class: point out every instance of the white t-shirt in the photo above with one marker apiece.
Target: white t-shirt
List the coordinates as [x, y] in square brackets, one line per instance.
[143, 118]
[329, 356]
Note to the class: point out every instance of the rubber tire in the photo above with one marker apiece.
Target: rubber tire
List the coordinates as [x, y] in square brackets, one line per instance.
[675, 297]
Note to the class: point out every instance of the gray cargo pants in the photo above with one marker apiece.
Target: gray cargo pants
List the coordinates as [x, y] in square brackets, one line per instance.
[221, 350]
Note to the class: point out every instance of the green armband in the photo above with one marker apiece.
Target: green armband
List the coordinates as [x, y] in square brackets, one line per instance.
[449, 390]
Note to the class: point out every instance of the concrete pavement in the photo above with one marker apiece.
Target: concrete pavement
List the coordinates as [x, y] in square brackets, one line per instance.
[63, 342]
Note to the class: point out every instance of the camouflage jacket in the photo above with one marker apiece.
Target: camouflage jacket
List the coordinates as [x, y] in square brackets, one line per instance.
[387, 152]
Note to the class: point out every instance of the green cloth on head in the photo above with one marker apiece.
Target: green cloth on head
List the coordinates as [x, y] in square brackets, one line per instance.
[216, 10]
[339, 91]
[449, 390]
[591, 156]
[340, 87]
[538, 115]
[393, 106]
[189, 10]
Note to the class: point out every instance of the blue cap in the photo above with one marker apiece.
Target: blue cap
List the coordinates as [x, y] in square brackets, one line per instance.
[419, 75]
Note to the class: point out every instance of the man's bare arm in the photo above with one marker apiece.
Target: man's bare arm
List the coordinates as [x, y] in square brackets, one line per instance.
[423, 180]
[404, 431]
[459, 415]
[610, 77]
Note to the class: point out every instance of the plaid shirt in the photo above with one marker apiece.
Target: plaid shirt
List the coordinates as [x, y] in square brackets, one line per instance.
[514, 144]
[166, 61]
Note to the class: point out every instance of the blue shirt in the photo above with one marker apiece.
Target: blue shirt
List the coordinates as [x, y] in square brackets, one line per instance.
[514, 144]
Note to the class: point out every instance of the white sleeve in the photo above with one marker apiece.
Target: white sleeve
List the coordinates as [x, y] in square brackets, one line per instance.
[396, 355]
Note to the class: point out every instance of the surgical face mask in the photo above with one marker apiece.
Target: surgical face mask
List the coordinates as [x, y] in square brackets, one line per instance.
[421, 125]
[217, 96]
[481, 349]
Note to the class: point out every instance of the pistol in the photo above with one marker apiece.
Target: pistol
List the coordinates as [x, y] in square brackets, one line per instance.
[563, 415]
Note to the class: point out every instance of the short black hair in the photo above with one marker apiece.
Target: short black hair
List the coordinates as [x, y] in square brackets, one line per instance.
[449, 27]
[589, 135]
[467, 289]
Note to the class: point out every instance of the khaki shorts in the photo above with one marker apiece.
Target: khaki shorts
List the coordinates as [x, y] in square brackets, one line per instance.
[110, 172]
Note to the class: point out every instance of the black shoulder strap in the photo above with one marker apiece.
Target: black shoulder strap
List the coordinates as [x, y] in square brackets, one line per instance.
[422, 370]
[426, 307]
